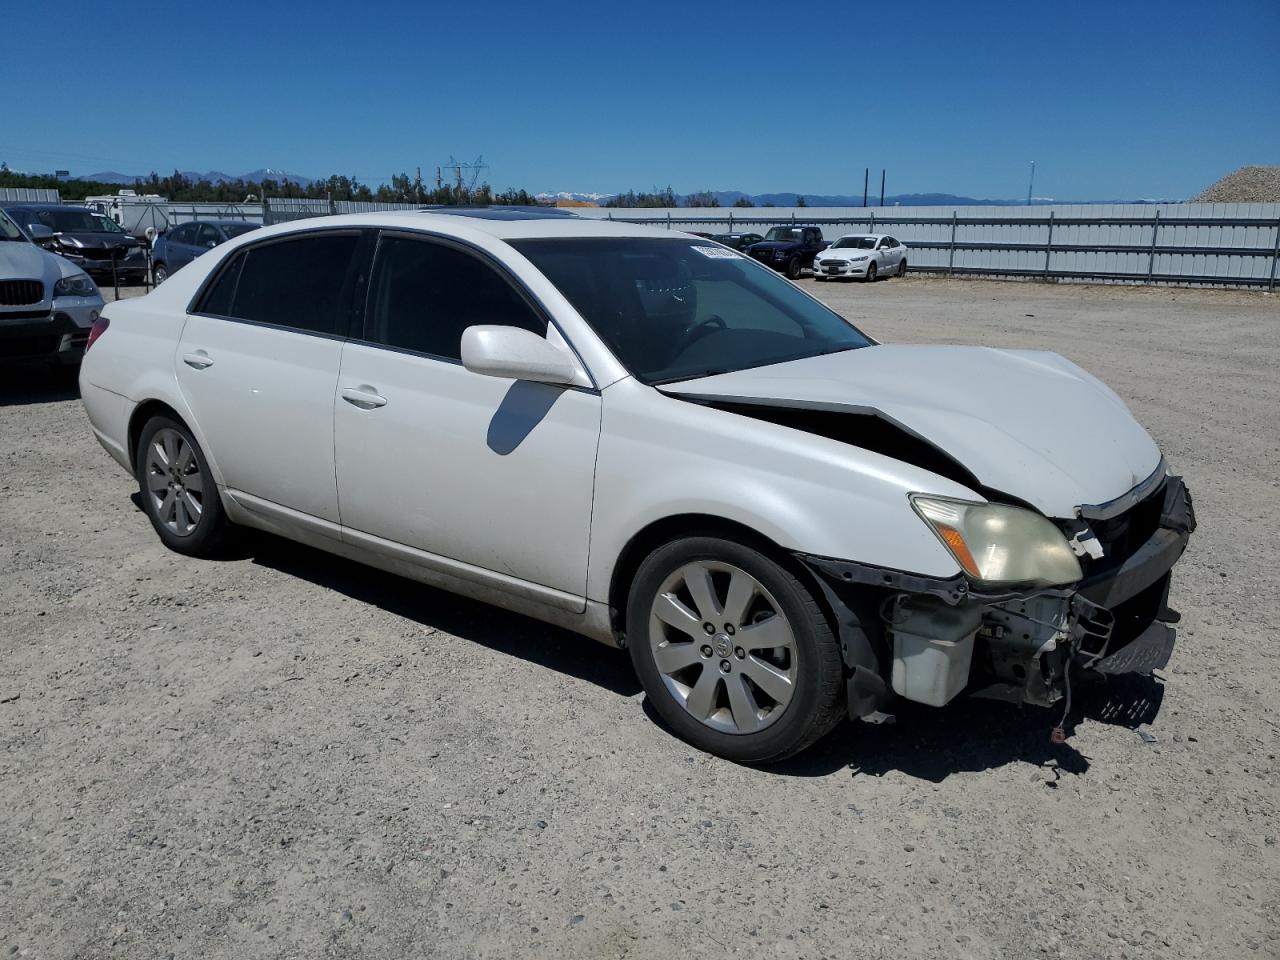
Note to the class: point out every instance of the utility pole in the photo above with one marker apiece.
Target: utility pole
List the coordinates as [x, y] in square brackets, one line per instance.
[866, 179]
[882, 186]
[417, 186]
[1031, 182]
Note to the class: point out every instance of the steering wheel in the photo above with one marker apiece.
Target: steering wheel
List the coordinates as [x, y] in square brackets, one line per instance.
[696, 331]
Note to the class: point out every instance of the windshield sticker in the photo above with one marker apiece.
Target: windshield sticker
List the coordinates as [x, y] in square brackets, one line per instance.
[718, 253]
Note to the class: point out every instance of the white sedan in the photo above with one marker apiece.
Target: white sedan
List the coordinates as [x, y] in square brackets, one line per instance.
[650, 439]
[863, 256]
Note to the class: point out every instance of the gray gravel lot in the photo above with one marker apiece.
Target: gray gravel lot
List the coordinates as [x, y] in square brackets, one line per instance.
[283, 754]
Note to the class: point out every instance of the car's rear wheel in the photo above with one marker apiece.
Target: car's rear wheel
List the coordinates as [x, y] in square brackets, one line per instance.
[159, 273]
[902, 267]
[871, 272]
[794, 268]
[733, 650]
[178, 491]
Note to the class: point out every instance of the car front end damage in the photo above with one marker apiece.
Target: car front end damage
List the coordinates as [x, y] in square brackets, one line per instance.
[929, 639]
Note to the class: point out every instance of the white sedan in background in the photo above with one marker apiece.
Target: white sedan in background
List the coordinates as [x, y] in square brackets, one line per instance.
[648, 438]
[864, 256]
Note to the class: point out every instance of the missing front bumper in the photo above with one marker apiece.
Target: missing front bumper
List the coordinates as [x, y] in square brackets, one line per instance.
[1114, 621]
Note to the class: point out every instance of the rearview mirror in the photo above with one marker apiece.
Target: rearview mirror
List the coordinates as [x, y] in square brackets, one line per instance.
[515, 354]
[39, 233]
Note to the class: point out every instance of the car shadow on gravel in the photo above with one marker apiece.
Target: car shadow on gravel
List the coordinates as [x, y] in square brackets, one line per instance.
[970, 735]
[21, 384]
[499, 630]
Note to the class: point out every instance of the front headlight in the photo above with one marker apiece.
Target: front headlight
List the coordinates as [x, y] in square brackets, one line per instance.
[997, 544]
[76, 285]
[779, 254]
[860, 259]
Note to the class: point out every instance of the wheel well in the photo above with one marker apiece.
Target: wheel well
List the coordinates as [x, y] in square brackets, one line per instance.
[146, 410]
[691, 525]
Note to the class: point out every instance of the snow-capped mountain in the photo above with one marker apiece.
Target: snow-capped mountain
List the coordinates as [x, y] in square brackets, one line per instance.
[566, 195]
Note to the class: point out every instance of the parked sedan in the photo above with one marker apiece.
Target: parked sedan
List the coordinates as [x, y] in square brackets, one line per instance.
[863, 256]
[94, 243]
[652, 440]
[739, 241]
[179, 245]
[47, 304]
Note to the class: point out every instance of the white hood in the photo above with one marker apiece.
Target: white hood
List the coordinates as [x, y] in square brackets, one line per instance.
[1027, 423]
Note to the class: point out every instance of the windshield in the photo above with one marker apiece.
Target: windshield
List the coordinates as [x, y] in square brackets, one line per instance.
[673, 310]
[71, 220]
[783, 233]
[855, 243]
[8, 230]
[235, 229]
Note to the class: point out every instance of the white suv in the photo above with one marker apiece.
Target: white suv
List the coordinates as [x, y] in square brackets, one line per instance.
[648, 438]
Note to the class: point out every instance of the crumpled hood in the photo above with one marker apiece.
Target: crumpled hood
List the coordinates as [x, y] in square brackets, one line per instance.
[1030, 424]
[97, 241]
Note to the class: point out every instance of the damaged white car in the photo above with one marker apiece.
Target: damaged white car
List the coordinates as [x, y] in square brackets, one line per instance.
[649, 439]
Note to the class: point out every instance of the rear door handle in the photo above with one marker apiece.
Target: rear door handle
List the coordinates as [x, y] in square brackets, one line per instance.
[364, 397]
[199, 360]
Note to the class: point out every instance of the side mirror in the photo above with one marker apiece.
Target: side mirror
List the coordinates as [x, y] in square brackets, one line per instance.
[39, 233]
[515, 354]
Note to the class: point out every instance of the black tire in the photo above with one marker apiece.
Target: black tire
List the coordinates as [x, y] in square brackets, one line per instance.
[816, 703]
[210, 530]
[902, 267]
[871, 272]
[794, 268]
[159, 273]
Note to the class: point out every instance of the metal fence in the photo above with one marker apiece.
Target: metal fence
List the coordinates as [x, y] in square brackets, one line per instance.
[1191, 243]
[29, 195]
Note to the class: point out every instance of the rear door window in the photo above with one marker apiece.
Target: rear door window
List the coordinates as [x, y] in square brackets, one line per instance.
[426, 293]
[306, 283]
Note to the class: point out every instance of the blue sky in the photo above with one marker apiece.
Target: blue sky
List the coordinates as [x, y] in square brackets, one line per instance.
[1111, 99]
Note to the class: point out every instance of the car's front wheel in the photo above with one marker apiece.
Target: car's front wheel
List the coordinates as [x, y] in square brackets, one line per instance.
[733, 650]
[794, 268]
[178, 491]
[871, 272]
[159, 273]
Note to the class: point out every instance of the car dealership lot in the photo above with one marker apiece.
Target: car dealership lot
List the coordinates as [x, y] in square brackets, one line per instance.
[282, 753]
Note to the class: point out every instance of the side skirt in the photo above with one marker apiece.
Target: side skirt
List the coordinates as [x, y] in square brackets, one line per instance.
[587, 617]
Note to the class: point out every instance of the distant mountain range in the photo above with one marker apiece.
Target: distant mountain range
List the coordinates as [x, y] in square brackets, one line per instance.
[213, 176]
[727, 198]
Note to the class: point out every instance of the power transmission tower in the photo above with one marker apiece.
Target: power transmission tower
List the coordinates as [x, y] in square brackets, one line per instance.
[466, 172]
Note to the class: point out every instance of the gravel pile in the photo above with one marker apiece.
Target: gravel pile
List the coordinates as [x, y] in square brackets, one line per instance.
[1247, 185]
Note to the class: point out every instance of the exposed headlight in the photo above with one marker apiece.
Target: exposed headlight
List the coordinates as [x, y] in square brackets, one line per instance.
[779, 254]
[859, 259]
[76, 285]
[997, 544]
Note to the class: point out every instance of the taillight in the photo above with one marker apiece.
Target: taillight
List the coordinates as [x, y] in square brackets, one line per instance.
[99, 327]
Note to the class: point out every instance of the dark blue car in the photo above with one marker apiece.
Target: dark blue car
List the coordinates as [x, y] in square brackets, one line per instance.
[179, 245]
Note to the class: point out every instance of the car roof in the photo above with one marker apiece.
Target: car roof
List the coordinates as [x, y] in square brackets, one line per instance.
[862, 236]
[461, 222]
[47, 206]
[229, 222]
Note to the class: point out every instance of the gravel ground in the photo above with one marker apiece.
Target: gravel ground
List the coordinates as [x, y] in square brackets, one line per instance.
[283, 754]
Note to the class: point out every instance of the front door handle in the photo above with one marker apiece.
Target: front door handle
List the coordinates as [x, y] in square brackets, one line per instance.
[364, 397]
[199, 360]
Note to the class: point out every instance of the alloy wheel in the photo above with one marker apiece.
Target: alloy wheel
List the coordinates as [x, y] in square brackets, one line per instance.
[174, 482]
[723, 647]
